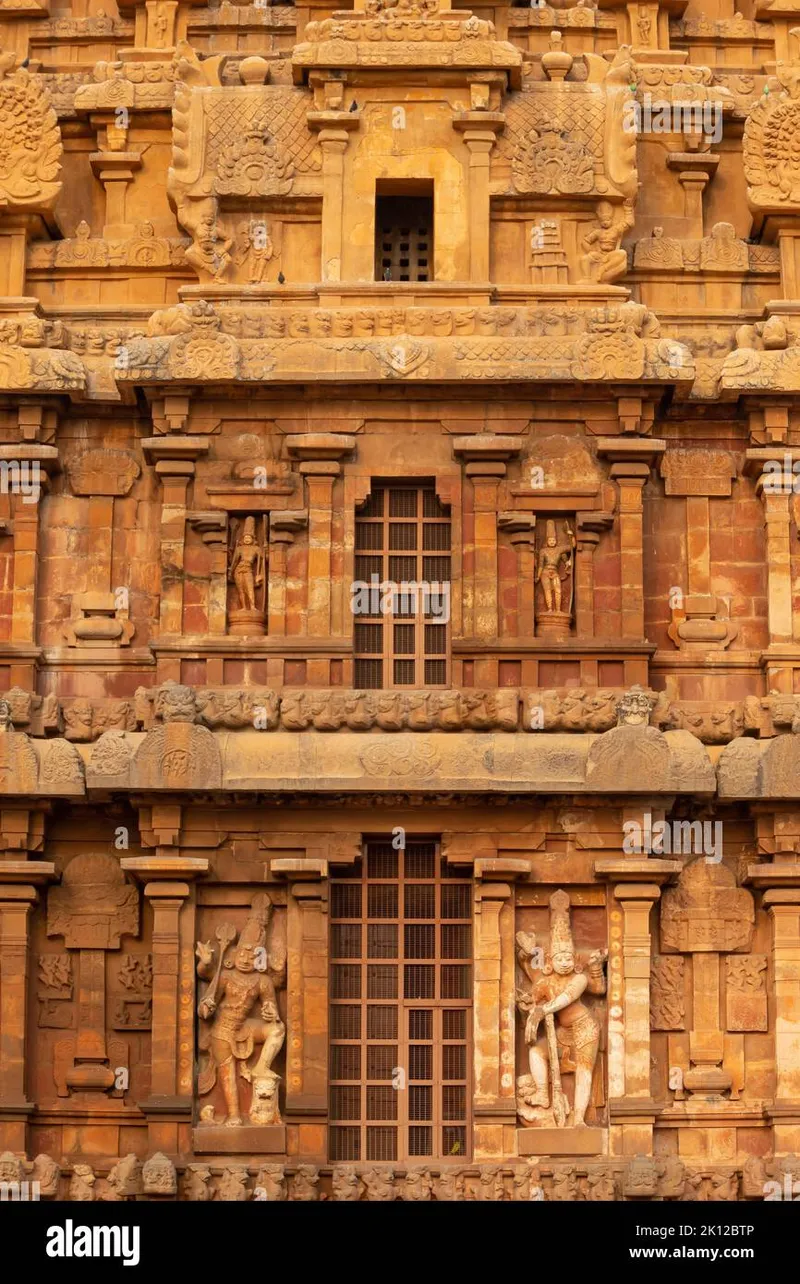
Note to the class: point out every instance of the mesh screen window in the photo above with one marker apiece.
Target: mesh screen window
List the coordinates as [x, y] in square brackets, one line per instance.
[404, 238]
[403, 539]
[401, 1006]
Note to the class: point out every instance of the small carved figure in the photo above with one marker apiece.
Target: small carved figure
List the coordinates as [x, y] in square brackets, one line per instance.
[232, 1185]
[81, 1184]
[346, 1184]
[254, 250]
[419, 1185]
[601, 1184]
[450, 1185]
[47, 1172]
[158, 1174]
[197, 1184]
[304, 1186]
[264, 1106]
[565, 1183]
[124, 1180]
[380, 1185]
[604, 261]
[491, 1186]
[210, 252]
[270, 1184]
[247, 566]
[554, 566]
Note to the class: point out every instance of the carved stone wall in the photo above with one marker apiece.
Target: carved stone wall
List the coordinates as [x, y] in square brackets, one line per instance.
[591, 389]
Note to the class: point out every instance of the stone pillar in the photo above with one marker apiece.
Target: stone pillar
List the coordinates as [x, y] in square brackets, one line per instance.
[783, 904]
[34, 461]
[494, 1013]
[167, 886]
[637, 886]
[320, 478]
[485, 456]
[522, 528]
[333, 128]
[213, 530]
[479, 129]
[174, 457]
[307, 1010]
[320, 454]
[778, 550]
[588, 528]
[635, 900]
[631, 478]
[631, 461]
[283, 527]
[116, 171]
[695, 171]
[15, 907]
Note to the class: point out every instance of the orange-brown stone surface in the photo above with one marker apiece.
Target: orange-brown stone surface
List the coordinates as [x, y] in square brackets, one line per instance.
[399, 600]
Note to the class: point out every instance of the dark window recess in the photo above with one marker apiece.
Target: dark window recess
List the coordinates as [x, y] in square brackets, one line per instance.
[400, 1032]
[404, 238]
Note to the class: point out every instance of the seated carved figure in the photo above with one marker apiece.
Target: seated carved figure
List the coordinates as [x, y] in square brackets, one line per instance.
[604, 261]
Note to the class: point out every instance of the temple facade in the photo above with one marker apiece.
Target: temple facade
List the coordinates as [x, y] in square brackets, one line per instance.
[400, 600]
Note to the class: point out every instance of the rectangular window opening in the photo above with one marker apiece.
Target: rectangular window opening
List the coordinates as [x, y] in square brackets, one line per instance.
[403, 230]
[400, 1030]
[401, 633]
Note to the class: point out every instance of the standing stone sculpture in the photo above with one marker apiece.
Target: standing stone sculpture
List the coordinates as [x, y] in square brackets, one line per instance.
[555, 575]
[560, 1030]
[246, 572]
[237, 986]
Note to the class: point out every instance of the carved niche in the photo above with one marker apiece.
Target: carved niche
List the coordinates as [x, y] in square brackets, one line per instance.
[92, 909]
[247, 572]
[231, 143]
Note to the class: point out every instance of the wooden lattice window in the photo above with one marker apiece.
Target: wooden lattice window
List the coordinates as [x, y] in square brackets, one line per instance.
[401, 1006]
[404, 238]
[401, 630]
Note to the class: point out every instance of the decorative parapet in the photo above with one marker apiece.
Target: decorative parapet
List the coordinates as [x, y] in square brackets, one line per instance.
[418, 36]
[146, 86]
[201, 343]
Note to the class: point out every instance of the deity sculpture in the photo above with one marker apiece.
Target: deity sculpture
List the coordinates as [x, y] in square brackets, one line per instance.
[246, 571]
[554, 565]
[604, 261]
[254, 250]
[247, 566]
[209, 252]
[556, 991]
[235, 986]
